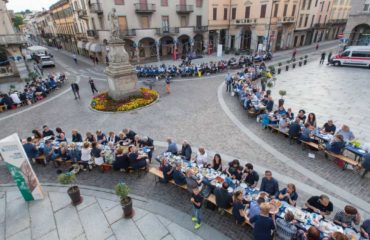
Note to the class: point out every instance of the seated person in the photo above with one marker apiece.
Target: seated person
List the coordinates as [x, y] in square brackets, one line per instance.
[284, 124]
[63, 151]
[178, 176]
[313, 233]
[49, 152]
[96, 153]
[60, 137]
[307, 133]
[295, 129]
[122, 161]
[269, 184]
[90, 137]
[319, 204]
[254, 208]
[192, 181]
[113, 138]
[47, 132]
[328, 128]
[137, 160]
[290, 114]
[311, 119]
[288, 194]
[365, 164]
[148, 143]
[30, 149]
[346, 217]
[201, 158]
[269, 104]
[74, 153]
[285, 227]
[301, 115]
[365, 229]
[239, 206]
[217, 162]
[250, 176]
[224, 199]
[86, 156]
[274, 118]
[263, 224]
[172, 147]
[186, 150]
[167, 170]
[101, 138]
[346, 133]
[76, 136]
[336, 145]
[235, 171]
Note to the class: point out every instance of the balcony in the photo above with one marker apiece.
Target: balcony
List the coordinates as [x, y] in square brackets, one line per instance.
[127, 33]
[92, 33]
[337, 21]
[144, 8]
[81, 36]
[167, 30]
[12, 39]
[286, 20]
[82, 13]
[96, 8]
[184, 9]
[200, 29]
[320, 25]
[246, 21]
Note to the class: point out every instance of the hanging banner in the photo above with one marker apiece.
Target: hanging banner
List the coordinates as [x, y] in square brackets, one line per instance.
[16, 160]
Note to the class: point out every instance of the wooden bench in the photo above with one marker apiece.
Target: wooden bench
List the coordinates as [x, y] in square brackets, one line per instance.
[252, 114]
[310, 144]
[276, 128]
[2, 108]
[347, 160]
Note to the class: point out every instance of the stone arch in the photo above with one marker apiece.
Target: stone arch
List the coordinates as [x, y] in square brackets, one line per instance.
[7, 67]
[130, 48]
[198, 44]
[183, 47]
[360, 34]
[166, 47]
[245, 38]
[147, 47]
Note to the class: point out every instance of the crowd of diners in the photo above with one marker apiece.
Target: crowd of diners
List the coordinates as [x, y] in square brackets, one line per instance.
[256, 212]
[34, 91]
[301, 126]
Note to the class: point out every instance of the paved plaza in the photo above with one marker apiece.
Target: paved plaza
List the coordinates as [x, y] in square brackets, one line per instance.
[201, 111]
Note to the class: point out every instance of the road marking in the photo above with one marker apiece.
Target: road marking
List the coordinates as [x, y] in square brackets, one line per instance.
[288, 161]
[39, 104]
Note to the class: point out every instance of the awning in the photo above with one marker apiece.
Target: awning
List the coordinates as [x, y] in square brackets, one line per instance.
[81, 44]
[95, 47]
[87, 46]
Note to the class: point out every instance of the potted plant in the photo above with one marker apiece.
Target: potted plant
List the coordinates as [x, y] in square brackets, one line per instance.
[272, 69]
[282, 93]
[270, 84]
[305, 60]
[287, 65]
[122, 191]
[300, 61]
[73, 191]
[279, 68]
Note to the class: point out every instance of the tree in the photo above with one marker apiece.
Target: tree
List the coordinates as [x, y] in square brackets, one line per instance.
[18, 20]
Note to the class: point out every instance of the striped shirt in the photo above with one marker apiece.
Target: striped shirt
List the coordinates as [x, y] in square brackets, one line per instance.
[284, 229]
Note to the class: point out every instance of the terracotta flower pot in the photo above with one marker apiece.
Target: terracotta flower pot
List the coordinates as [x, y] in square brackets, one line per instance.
[127, 207]
[75, 195]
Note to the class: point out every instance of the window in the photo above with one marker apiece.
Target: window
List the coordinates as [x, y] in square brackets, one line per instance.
[345, 54]
[276, 9]
[309, 4]
[184, 21]
[247, 12]
[233, 13]
[165, 23]
[164, 3]
[303, 4]
[76, 6]
[122, 23]
[360, 54]
[214, 13]
[306, 21]
[300, 20]
[325, 19]
[199, 3]
[285, 10]
[144, 22]
[225, 13]
[366, 7]
[263, 11]
[328, 6]
[199, 21]
[83, 6]
[118, 2]
[293, 11]
[316, 3]
[322, 6]
[319, 19]
[312, 20]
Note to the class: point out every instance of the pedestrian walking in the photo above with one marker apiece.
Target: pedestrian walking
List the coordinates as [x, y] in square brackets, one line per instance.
[76, 90]
[228, 81]
[329, 58]
[92, 85]
[74, 58]
[168, 83]
[323, 54]
[92, 59]
[317, 46]
[294, 53]
[197, 201]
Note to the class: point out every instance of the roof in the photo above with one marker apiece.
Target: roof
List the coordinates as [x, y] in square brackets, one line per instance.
[59, 4]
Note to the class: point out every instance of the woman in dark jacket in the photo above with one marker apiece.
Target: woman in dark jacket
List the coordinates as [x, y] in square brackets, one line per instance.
[186, 150]
[136, 160]
[122, 161]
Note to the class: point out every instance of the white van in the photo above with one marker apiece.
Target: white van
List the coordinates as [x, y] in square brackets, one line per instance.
[46, 61]
[353, 56]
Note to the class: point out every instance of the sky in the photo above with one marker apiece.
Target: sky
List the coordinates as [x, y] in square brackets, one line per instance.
[20, 5]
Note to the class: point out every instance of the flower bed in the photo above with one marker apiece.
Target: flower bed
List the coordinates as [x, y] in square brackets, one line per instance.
[103, 102]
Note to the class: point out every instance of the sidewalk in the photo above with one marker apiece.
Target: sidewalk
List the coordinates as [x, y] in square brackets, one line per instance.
[98, 217]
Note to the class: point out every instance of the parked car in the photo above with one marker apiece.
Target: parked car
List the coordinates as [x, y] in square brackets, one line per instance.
[46, 61]
[353, 56]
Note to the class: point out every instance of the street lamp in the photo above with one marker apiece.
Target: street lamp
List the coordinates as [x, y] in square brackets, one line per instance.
[268, 33]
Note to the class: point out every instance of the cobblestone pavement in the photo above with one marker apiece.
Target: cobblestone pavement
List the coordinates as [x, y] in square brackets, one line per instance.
[191, 112]
[98, 217]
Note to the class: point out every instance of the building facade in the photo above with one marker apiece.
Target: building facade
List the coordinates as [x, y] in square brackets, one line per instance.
[12, 65]
[338, 18]
[358, 25]
[64, 23]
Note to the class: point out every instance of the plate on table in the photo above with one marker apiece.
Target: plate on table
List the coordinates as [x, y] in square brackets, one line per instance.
[243, 185]
[230, 189]
[273, 208]
[361, 151]
[329, 227]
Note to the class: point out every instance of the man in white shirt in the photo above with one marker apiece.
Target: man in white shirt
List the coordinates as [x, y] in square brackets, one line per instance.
[15, 98]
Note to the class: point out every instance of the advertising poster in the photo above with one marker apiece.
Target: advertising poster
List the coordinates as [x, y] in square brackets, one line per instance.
[12, 152]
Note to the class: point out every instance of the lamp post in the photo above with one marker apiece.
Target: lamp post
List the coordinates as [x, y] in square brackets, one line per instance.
[268, 33]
